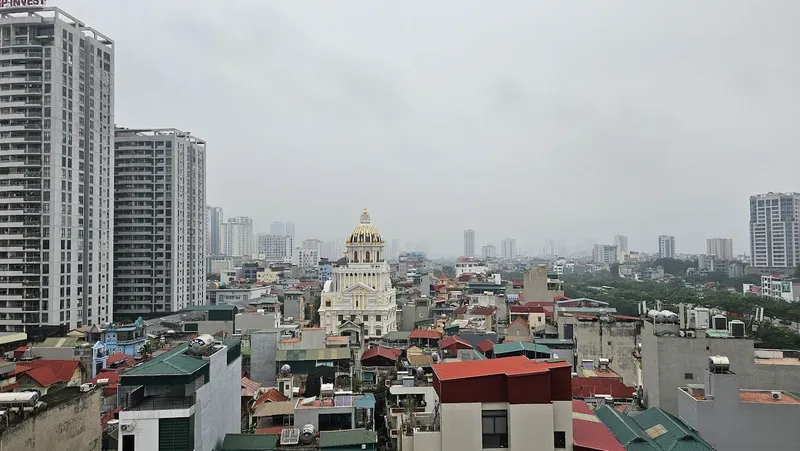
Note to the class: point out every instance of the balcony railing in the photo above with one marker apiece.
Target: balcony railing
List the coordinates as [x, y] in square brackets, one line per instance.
[164, 403]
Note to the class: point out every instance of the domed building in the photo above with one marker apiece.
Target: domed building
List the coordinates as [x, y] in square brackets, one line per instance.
[360, 291]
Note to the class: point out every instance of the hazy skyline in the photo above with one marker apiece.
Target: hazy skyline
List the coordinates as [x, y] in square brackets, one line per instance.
[519, 119]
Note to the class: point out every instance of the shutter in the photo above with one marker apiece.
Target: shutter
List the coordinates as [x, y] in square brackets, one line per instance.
[176, 434]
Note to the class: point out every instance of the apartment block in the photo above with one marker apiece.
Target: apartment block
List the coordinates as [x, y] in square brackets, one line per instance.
[214, 220]
[508, 249]
[275, 248]
[775, 230]
[720, 248]
[666, 246]
[469, 243]
[56, 128]
[604, 254]
[237, 236]
[159, 220]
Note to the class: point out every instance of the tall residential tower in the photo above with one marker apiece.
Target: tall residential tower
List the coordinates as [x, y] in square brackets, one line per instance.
[469, 243]
[159, 221]
[56, 128]
[775, 230]
[214, 220]
[666, 246]
[720, 248]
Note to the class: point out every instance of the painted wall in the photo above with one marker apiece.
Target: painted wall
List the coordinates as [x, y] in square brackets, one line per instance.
[218, 402]
[263, 350]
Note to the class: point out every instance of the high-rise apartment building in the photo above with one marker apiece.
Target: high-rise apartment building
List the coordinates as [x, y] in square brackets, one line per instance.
[277, 228]
[331, 250]
[666, 246]
[469, 243]
[237, 236]
[604, 254]
[56, 160]
[489, 251]
[214, 220]
[312, 244]
[720, 248]
[621, 241]
[290, 229]
[159, 221]
[775, 230]
[508, 249]
[276, 248]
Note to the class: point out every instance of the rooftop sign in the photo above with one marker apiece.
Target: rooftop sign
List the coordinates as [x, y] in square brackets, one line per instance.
[22, 3]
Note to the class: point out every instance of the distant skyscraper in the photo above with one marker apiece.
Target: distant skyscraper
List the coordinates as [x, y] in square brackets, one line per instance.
[775, 230]
[237, 237]
[57, 197]
[175, 272]
[394, 249]
[277, 228]
[621, 241]
[469, 243]
[666, 246]
[313, 244]
[275, 248]
[331, 250]
[721, 248]
[290, 229]
[214, 220]
[604, 254]
[508, 249]
[550, 248]
[488, 251]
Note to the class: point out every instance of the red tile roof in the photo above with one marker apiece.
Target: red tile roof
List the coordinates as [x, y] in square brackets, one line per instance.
[561, 298]
[485, 346]
[271, 395]
[48, 372]
[391, 354]
[272, 430]
[112, 376]
[481, 310]
[509, 366]
[587, 387]
[249, 388]
[588, 432]
[451, 340]
[425, 333]
[460, 310]
[526, 309]
[522, 321]
[116, 358]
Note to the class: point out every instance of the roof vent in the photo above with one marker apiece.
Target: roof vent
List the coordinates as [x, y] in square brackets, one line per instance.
[776, 395]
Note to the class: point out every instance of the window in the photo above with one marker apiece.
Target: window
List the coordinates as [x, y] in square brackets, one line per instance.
[559, 440]
[341, 318]
[128, 443]
[495, 428]
[365, 318]
[688, 376]
[377, 317]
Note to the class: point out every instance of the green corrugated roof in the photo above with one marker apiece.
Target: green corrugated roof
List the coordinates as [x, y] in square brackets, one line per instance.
[651, 430]
[328, 439]
[171, 363]
[300, 355]
[249, 442]
[516, 346]
[60, 342]
[396, 335]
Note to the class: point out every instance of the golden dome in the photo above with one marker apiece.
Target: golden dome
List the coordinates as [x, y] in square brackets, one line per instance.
[365, 233]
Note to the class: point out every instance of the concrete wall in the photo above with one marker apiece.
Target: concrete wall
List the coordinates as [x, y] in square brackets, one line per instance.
[667, 360]
[616, 340]
[245, 321]
[73, 425]
[218, 406]
[263, 351]
[770, 426]
[293, 308]
[304, 416]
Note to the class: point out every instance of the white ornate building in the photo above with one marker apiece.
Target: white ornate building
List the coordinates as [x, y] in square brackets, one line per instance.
[360, 292]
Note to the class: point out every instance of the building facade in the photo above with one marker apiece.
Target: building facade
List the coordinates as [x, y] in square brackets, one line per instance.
[621, 241]
[666, 246]
[720, 248]
[775, 230]
[469, 243]
[159, 220]
[275, 248]
[307, 258]
[214, 220]
[488, 251]
[237, 236]
[361, 289]
[508, 249]
[604, 253]
[277, 228]
[56, 129]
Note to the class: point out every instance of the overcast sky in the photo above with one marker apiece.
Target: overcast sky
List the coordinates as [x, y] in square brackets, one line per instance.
[528, 119]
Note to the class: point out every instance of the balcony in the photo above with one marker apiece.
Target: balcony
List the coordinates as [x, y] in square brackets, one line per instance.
[164, 403]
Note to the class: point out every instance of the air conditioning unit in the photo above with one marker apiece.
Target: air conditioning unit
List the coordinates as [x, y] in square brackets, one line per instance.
[776, 395]
[127, 427]
[691, 334]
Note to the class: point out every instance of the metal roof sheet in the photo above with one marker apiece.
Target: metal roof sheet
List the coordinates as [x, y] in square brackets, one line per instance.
[304, 355]
[171, 363]
[653, 429]
[269, 409]
[347, 437]
[515, 346]
[365, 401]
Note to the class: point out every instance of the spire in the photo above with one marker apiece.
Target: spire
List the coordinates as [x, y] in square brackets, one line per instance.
[365, 217]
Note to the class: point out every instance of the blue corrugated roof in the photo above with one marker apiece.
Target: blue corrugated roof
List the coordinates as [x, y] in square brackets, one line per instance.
[365, 401]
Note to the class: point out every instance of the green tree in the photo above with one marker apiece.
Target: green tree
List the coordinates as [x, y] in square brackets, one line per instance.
[449, 271]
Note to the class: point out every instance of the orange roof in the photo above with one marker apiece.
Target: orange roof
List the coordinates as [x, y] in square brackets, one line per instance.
[451, 340]
[48, 372]
[765, 397]
[522, 321]
[485, 345]
[116, 358]
[271, 395]
[249, 388]
[272, 430]
[391, 354]
[112, 376]
[425, 333]
[589, 432]
[509, 366]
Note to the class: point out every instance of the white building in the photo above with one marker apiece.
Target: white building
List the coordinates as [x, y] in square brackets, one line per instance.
[159, 220]
[361, 290]
[780, 287]
[720, 248]
[56, 169]
[214, 220]
[470, 265]
[469, 243]
[237, 237]
[621, 241]
[666, 246]
[181, 400]
[275, 248]
[604, 254]
[775, 230]
[307, 258]
[508, 249]
[277, 228]
[332, 250]
[489, 251]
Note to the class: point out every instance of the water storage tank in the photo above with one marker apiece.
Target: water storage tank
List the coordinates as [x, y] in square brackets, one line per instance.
[307, 434]
[669, 317]
[702, 318]
[718, 364]
[201, 344]
[27, 398]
